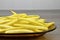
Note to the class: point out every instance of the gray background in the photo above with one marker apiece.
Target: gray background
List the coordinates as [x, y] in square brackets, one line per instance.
[29, 4]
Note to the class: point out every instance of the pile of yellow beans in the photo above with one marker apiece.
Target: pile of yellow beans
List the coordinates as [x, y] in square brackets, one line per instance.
[23, 23]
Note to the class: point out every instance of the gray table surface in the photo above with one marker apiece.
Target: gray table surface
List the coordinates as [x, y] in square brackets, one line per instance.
[49, 15]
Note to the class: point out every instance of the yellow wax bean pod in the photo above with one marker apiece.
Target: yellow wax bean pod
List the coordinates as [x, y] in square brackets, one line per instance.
[5, 26]
[4, 21]
[15, 28]
[38, 30]
[11, 22]
[23, 22]
[26, 26]
[14, 13]
[34, 16]
[24, 15]
[19, 31]
[41, 20]
[2, 18]
[21, 15]
[49, 24]
[2, 30]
